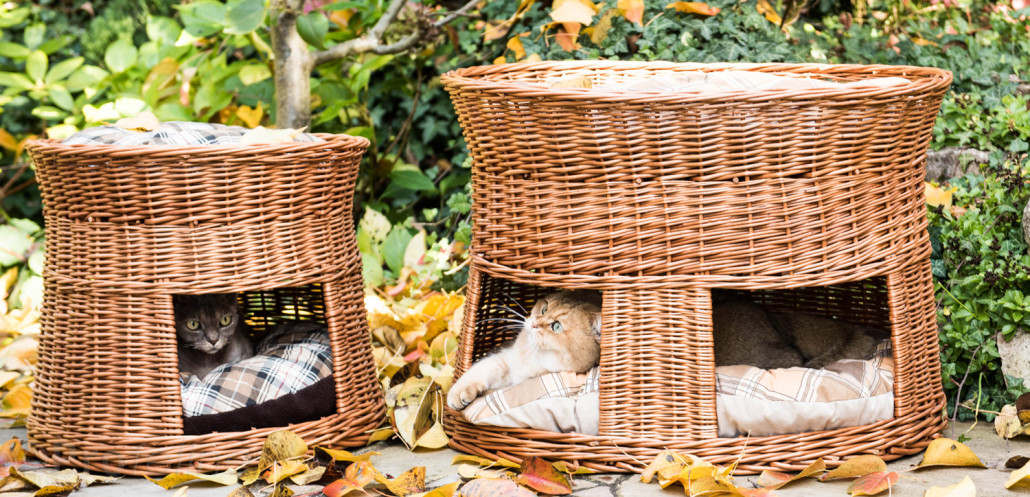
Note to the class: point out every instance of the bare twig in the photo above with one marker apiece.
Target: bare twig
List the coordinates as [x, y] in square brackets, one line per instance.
[372, 41]
[958, 394]
[456, 14]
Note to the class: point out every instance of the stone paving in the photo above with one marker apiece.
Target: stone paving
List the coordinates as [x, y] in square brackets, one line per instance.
[395, 459]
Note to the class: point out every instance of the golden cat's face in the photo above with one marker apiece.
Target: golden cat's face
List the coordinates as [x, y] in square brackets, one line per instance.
[561, 322]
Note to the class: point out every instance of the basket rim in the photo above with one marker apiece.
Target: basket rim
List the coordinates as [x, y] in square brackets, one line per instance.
[486, 79]
[331, 140]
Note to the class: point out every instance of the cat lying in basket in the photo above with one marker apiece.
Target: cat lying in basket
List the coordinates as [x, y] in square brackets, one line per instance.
[563, 331]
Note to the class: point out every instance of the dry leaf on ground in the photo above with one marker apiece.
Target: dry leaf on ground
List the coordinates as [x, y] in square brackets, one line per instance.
[412, 481]
[948, 452]
[280, 446]
[964, 488]
[227, 477]
[873, 483]
[483, 461]
[489, 487]
[541, 476]
[855, 467]
[1019, 478]
[776, 479]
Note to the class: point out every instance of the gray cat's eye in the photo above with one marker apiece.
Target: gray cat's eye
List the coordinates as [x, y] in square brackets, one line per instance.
[226, 319]
[192, 324]
[557, 327]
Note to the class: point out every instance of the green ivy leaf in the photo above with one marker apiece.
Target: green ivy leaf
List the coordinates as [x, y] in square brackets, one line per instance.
[203, 18]
[313, 27]
[120, 55]
[36, 65]
[244, 16]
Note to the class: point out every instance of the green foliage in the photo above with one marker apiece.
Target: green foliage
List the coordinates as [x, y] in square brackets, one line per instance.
[21, 265]
[982, 273]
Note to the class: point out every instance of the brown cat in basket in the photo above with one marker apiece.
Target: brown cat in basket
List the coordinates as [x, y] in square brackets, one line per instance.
[562, 333]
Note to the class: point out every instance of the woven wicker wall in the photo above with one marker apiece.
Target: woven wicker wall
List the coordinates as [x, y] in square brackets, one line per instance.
[127, 227]
[812, 199]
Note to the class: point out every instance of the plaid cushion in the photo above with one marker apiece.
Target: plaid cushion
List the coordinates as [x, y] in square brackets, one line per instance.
[294, 355]
[177, 133]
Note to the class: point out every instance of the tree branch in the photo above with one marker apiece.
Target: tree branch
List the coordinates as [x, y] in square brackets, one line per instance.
[456, 14]
[371, 41]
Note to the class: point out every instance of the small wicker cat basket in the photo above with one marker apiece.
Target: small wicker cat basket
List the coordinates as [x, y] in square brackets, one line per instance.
[126, 228]
[805, 199]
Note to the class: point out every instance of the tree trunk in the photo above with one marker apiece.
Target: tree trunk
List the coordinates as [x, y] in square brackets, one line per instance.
[293, 65]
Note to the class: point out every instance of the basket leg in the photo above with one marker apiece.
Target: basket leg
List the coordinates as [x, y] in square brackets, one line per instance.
[917, 377]
[657, 365]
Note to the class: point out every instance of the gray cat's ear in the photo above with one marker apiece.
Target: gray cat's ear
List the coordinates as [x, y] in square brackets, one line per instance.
[595, 327]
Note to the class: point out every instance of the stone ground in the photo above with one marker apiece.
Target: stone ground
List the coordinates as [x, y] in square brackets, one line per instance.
[395, 459]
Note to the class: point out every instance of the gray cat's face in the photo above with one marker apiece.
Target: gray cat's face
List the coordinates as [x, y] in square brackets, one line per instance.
[205, 322]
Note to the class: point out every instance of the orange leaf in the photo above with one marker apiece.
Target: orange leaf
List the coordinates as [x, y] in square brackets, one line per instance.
[360, 473]
[855, 467]
[515, 45]
[340, 487]
[11, 453]
[767, 10]
[7, 141]
[577, 11]
[775, 479]
[567, 40]
[756, 492]
[873, 483]
[412, 481]
[250, 116]
[938, 196]
[496, 30]
[541, 476]
[699, 8]
[632, 10]
[493, 487]
[282, 470]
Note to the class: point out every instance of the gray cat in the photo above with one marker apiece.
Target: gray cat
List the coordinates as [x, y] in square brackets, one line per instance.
[209, 332]
[746, 333]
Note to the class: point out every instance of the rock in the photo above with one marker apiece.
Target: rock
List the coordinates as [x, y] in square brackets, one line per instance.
[952, 162]
[1015, 354]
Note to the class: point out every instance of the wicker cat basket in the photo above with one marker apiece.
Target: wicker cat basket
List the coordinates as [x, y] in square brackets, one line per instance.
[805, 199]
[126, 228]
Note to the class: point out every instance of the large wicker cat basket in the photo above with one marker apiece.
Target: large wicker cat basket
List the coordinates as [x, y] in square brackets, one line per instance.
[128, 227]
[803, 199]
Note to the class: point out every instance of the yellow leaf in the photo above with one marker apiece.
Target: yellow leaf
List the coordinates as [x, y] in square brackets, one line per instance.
[227, 477]
[531, 58]
[282, 470]
[500, 60]
[775, 479]
[564, 468]
[496, 30]
[604, 24]
[632, 10]
[470, 471]
[434, 438]
[515, 45]
[855, 467]
[16, 402]
[410, 482]
[444, 491]
[144, 121]
[241, 492]
[1019, 478]
[7, 281]
[964, 488]
[7, 141]
[380, 435]
[344, 455]
[250, 117]
[938, 196]
[566, 37]
[1006, 424]
[262, 135]
[665, 459]
[712, 486]
[947, 452]
[767, 10]
[573, 11]
[482, 461]
[699, 8]
[280, 446]
[250, 475]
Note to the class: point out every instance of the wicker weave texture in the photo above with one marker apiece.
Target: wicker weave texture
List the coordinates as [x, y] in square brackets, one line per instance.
[809, 200]
[127, 227]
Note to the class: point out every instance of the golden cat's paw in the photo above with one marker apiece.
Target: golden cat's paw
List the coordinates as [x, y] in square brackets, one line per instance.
[463, 393]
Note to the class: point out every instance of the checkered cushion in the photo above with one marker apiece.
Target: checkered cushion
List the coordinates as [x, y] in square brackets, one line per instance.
[176, 133]
[293, 356]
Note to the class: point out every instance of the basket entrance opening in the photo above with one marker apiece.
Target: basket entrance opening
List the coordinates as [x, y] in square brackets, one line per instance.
[242, 355]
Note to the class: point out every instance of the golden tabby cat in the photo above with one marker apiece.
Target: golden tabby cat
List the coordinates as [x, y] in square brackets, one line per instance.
[561, 333]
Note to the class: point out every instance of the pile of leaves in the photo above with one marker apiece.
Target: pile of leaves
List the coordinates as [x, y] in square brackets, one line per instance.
[21, 293]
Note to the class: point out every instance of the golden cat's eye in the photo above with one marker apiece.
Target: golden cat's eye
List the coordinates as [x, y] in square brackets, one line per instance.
[192, 324]
[226, 320]
[557, 327]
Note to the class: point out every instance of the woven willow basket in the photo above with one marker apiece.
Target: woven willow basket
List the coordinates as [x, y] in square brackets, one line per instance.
[127, 227]
[805, 199]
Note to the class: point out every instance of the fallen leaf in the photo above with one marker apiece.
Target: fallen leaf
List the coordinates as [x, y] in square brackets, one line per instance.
[345, 456]
[699, 8]
[632, 10]
[11, 453]
[947, 452]
[241, 492]
[410, 482]
[144, 121]
[1019, 478]
[577, 11]
[564, 468]
[281, 470]
[381, 434]
[855, 467]
[470, 471]
[756, 492]
[280, 446]
[938, 196]
[227, 477]
[1016, 462]
[573, 82]
[1023, 408]
[483, 461]
[250, 475]
[434, 438]
[964, 488]
[873, 483]
[711, 485]
[87, 479]
[180, 492]
[515, 45]
[665, 459]
[489, 487]
[775, 479]
[281, 491]
[541, 476]
[8, 141]
[44, 478]
[604, 24]
[262, 135]
[1006, 424]
[444, 491]
[251, 116]
[767, 10]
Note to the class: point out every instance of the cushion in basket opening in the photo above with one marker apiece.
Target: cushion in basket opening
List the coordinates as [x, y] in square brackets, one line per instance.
[174, 133]
[749, 400]
[293, 362]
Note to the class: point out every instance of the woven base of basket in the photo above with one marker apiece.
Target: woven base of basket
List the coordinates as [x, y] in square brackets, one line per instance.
[888, 439]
